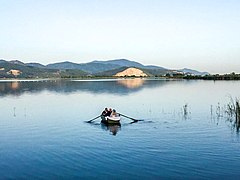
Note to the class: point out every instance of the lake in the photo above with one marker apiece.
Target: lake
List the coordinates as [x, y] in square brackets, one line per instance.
[185, 132]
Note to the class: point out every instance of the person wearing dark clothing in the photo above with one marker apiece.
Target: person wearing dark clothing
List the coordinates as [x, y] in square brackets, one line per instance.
[109, 112]
[105, 112]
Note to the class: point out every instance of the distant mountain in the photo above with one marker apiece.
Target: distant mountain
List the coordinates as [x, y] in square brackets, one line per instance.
[94, 68]
[193, 72]
[24, 71]
[17, 62]
[63, 65]
[121, 62]
[38, 65]
[128, 63]
[2, 61]
[98, 67]
[149, 72]
[110, 72]
[157, 71]
[13, 69]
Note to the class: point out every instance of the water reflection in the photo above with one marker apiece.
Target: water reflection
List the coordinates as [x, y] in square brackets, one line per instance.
[132, 84]
[120, 87]
[15, 85]
[113, 129]
[37, 130]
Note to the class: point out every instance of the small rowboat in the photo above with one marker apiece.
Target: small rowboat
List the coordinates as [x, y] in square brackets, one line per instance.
[111, 120]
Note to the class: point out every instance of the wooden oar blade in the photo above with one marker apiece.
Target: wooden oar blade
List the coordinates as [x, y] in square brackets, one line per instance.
[134, 120]
[93, 119]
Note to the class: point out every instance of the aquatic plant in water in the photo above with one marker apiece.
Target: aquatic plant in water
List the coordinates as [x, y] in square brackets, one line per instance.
[233, 112]
[186, 111]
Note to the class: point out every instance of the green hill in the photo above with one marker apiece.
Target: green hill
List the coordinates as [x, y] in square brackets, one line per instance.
[74, 70]
[26, 71]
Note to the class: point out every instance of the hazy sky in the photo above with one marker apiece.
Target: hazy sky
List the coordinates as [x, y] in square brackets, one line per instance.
[198, 34]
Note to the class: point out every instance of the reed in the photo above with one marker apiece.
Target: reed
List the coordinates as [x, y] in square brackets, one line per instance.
[218, 111]
[186, 111]
[237, 112]
[233, 112]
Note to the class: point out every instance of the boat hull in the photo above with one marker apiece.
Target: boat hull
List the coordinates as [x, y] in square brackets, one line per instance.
[110, 120]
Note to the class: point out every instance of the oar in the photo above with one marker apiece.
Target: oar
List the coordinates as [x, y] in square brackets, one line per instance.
[135, 120]
[93, 119]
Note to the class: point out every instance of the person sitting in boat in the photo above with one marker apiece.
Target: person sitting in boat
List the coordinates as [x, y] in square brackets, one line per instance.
[105, 112]
[109, 112]
[114, 113]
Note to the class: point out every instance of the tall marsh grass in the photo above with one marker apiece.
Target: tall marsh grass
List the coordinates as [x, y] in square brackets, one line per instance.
[233, 112]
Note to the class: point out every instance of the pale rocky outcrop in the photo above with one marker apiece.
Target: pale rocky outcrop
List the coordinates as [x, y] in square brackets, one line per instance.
[14, 72]
[131, 72]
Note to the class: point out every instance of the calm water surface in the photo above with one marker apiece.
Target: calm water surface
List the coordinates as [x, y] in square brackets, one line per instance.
[44, 134]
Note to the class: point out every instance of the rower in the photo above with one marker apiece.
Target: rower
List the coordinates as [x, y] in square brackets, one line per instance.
[105, 112]
[109, 112]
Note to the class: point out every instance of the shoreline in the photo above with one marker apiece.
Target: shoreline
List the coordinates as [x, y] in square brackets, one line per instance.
[78, 79]
[116, 78]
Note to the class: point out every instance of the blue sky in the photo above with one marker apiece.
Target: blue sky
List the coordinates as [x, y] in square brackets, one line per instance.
[198, 34]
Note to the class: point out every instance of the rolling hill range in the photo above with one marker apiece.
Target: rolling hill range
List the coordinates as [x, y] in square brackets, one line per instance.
[16, 68]
[13, 69]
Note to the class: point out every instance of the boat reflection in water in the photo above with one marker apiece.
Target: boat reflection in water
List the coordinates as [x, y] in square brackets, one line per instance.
[112, 128]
